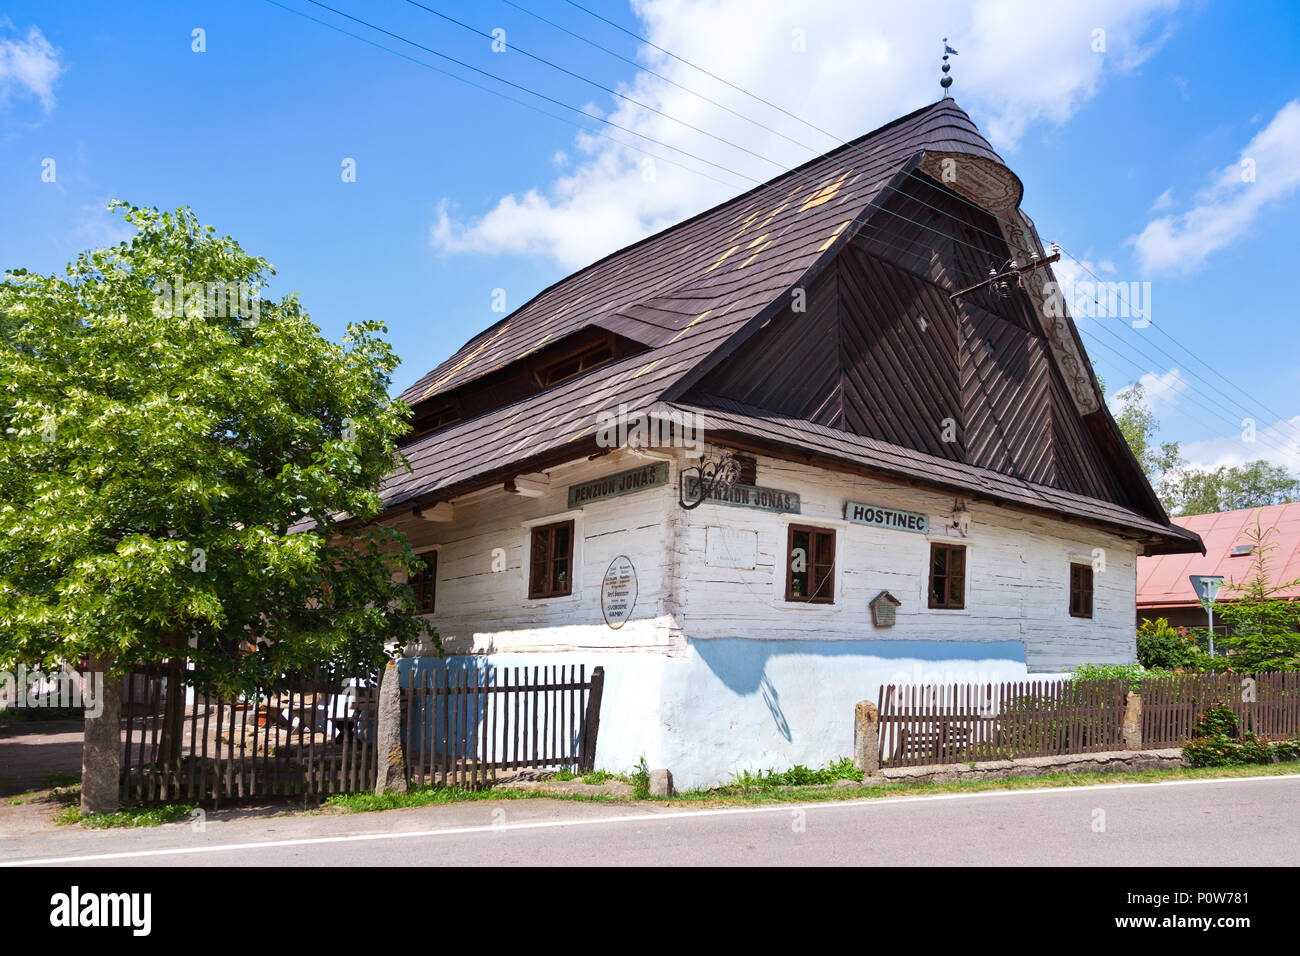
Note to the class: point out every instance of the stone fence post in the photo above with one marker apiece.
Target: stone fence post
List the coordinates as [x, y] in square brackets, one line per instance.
[391, 777]
[1133, 721]
[866, 737]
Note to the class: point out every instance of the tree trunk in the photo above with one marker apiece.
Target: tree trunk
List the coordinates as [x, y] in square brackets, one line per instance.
[101, 752]
[173, 722]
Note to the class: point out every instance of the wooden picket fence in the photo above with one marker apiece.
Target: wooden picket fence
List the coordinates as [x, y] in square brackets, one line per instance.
[958, 723]
[461, 728]
[1266, 704]
[311, 738]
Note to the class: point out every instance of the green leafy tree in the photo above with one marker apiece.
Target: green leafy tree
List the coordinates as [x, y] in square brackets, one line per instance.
[1265, 628]
[1139, 426]
[177, 458]
[1193, 491]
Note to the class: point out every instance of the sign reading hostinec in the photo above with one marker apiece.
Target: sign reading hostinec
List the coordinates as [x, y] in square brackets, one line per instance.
[886, 518]
[618, 592]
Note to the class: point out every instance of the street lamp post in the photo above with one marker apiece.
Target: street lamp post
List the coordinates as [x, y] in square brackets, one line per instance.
[1207, 587]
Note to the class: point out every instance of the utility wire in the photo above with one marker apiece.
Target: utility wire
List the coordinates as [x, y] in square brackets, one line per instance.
[1278, 417]
[768, 185]
[505, 96]
[1209, 384]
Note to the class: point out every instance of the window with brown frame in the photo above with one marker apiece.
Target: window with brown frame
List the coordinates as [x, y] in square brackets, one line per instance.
[425, 583]
[574, 364]
[810, 565]
[550, 564]
[1080, 590]
[431, 421]
[947, 576]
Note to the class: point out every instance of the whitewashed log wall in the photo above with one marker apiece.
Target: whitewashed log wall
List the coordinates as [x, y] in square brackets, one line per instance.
[689, 589]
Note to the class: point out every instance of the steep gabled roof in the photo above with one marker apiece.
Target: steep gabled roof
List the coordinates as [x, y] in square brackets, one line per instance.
[689, 295]
[669, 279]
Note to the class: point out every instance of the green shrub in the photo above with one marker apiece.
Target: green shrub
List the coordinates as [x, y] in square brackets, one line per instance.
[1159, 645]
[1211, 752]
[1215, 742]
[1217, 721]
[1133, 673]
[1288, 749]
[640, 778]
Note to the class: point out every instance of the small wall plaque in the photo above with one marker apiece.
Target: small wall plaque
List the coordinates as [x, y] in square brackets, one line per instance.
[618, 592]
[883, 607]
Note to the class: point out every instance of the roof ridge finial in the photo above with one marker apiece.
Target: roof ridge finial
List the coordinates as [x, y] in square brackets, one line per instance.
[946, 80]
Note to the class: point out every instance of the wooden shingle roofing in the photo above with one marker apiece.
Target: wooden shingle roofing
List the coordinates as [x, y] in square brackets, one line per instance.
[668, 280]
[689, 294]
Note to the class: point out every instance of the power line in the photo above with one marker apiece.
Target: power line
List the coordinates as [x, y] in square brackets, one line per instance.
[762, 186]
[754, 96]
[520, 87]
[505, 96]
[1217, 412]
[641, 38]
[1215, 388]
[600, 86]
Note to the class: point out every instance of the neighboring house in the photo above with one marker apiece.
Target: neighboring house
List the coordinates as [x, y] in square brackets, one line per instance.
[1163, 586]
[953, 452]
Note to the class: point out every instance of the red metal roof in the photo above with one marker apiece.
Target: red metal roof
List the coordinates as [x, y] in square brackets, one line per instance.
[1162, 580]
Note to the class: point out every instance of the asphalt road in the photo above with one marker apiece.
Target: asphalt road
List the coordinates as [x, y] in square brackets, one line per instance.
[1167, 824]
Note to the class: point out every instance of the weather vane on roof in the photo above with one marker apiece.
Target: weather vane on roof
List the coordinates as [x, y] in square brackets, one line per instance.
[946, 80]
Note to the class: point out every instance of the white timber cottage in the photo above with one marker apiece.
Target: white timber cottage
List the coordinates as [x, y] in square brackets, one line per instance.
[789, 450]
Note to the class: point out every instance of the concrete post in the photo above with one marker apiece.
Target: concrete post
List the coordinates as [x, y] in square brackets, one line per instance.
[391, 777]
[866, 737]
[1133, 721]
[101, 751]
[661, 783]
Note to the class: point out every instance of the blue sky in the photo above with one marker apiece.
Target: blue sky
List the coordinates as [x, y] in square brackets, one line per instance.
[1130, 154]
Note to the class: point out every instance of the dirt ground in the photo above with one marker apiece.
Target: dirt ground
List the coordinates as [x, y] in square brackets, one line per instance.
[31, 752]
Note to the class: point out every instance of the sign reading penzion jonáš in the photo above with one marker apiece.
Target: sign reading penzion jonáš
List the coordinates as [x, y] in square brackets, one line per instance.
[623, 483]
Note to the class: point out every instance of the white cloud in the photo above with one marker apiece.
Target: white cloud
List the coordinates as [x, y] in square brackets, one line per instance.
[1267, 171]
[29, 65]
[864, 64]
[1164, 201]
[1160, 389]
[1277, 443]
[95, 227]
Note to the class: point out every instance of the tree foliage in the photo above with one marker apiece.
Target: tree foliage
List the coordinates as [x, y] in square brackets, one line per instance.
[1185, 490]
[158, 452]
[1265, 628]
[1193, 491]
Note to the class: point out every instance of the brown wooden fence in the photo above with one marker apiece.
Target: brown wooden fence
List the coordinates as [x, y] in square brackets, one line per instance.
[461, 728]
[314, 738]
[310, 737]
[959, 723]
[1267, 705]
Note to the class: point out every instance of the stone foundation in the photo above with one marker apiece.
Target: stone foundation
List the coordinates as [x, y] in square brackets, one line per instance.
[1109, 761]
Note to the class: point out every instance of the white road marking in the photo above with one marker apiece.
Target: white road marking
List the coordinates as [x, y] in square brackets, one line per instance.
[649, 817]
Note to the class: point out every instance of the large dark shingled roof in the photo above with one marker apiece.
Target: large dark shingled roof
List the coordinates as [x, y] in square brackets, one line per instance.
[683, 292]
